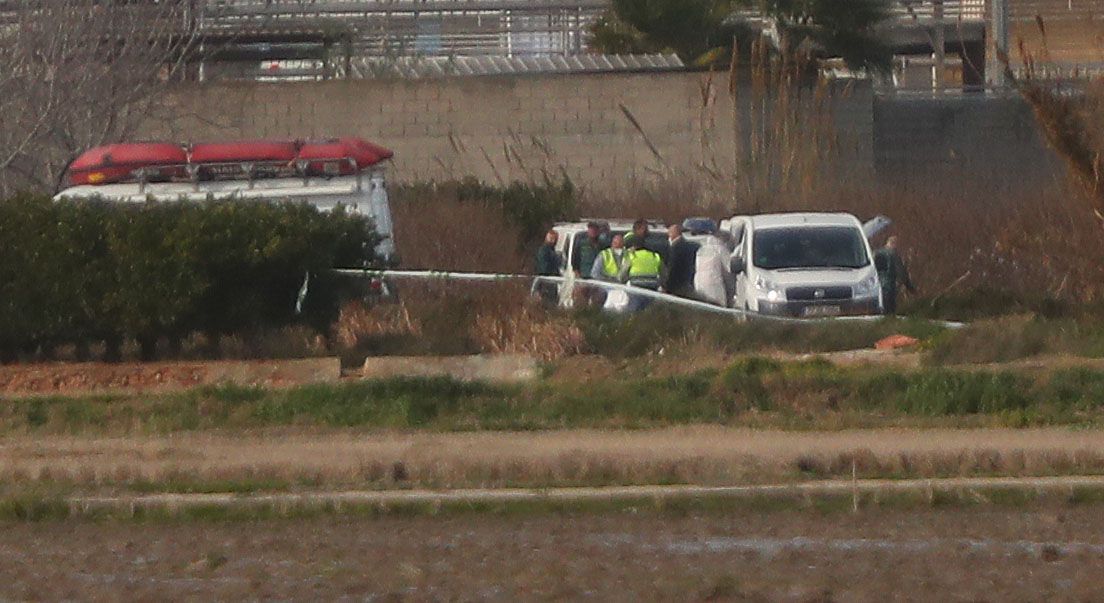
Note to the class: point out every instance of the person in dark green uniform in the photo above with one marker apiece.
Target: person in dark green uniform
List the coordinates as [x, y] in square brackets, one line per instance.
[891, 271]
[588, 250]
[639, 233]
[549, 263]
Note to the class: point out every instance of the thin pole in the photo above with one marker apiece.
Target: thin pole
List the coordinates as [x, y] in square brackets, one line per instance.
[998, 27]
[939, 46]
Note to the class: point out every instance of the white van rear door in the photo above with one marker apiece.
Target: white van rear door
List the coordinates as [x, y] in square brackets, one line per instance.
[380, 211]
[875, 225]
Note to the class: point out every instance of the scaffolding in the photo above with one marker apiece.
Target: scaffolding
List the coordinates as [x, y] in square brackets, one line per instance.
[428, 28]
[318, 39]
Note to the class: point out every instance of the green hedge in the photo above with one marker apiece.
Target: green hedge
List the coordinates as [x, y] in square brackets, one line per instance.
[83, 271]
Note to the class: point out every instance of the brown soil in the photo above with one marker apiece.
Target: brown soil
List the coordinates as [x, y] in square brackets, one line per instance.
[87, 377]
[583, 369]
[1053, 553]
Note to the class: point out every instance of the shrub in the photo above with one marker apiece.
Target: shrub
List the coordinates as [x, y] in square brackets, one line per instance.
[75, 271]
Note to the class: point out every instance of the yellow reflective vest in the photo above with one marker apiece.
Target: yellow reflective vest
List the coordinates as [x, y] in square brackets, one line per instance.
[611, 264]
[644, 263]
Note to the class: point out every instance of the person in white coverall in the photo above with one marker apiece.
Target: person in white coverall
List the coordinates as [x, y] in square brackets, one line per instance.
[713, 280]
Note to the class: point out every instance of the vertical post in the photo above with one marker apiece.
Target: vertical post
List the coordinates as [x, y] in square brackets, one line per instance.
[347, 45]
[199, 31]
[998, 46]
[939, 46]
[327, 61]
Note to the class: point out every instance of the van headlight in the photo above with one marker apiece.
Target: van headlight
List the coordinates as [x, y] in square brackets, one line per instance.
[867, 287]
[768, 290]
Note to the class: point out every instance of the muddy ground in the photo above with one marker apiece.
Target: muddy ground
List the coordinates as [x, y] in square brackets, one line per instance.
[953, 554]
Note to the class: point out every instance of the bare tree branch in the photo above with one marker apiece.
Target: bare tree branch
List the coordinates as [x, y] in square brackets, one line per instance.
[79, 73]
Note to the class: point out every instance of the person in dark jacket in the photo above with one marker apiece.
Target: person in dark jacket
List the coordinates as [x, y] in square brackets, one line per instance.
[583, 259]
[891, 271]
[639, 233]
[679, 277]
[549, 263]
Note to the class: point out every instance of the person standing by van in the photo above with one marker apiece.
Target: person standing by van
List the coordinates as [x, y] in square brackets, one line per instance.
[891, 271]
[607, 266]
[679, 276]
[639, 234]
[713, 281]
[549, 263]
[642, 268]
[589, 248]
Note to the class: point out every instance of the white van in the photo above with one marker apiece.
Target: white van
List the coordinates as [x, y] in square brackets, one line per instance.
[803, 265]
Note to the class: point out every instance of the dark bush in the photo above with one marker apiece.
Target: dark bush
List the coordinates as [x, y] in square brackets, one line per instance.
[81, 271]
[532, 207]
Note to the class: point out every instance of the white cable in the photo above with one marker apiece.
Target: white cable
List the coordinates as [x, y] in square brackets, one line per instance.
[638, 291]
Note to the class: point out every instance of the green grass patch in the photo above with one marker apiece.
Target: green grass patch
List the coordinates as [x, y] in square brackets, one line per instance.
[31, 507]
[752, 391]
[38, 509]
[1016, 337]
[659, 326]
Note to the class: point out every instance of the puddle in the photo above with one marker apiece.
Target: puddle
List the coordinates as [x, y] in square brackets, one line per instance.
[770, 547]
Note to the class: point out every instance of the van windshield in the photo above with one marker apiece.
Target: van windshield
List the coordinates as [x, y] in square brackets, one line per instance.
[809, 247]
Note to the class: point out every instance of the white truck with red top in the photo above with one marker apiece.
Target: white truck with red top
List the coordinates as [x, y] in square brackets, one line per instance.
[344, 172]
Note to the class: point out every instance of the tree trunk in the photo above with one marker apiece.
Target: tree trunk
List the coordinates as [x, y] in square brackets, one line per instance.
[113, 348]
[147, 345]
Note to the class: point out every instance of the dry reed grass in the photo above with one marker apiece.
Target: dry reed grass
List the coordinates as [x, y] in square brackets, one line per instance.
[433, 230]
[532, 330]
[358, 323]
[1057, 243]
[441, 318]
[700, 455]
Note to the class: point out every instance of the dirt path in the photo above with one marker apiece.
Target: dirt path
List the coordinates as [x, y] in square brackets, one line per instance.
[704, 455]
[956, 554]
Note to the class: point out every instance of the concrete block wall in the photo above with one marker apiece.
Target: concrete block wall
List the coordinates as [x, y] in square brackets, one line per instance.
[513, 128]
[954, 143]
[494, 128]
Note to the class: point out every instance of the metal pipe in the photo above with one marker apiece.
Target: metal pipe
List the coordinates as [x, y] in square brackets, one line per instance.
[998, 47]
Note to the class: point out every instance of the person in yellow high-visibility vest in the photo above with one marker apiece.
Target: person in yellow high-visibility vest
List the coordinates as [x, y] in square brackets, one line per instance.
[607, 265]
[642, 268]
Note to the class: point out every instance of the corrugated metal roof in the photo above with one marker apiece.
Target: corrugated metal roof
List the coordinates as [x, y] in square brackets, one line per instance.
[431, 67]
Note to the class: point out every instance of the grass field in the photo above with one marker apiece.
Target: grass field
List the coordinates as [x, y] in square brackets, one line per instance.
[754, 392]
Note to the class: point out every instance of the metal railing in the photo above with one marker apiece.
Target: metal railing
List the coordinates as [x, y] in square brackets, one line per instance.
[278, 8]
[1055, 10]
[934, 10]
[381, 28]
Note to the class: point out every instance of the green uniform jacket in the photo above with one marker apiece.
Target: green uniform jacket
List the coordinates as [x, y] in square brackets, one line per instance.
[548, 261]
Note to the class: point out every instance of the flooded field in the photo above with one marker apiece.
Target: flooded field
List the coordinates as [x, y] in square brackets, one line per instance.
[1052, 552]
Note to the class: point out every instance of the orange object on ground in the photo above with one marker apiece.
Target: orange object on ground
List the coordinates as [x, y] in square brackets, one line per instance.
[894, 342]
